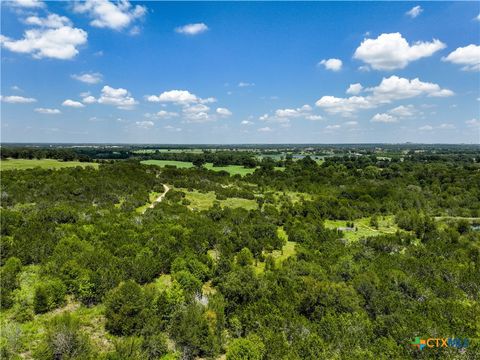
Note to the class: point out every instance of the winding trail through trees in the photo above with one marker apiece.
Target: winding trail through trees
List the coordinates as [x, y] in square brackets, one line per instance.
[159, 198]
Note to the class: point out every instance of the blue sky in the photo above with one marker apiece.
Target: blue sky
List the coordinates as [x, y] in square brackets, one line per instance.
[266, 72]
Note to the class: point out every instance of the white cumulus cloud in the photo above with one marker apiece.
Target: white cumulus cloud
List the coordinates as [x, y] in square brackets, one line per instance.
[174, 96]
[223, 112]
[14, 99]
[88, 78]
[425, 128]
[121, 98]
[48, 111]
[264, 129]
[192, 29]
[72, 103]
[314, 117]
[162, 114]
[473, 123]
[112, 15]
[468, 56]
[293, 113]
[414, 12]
[89, 99]
[392, 51]
[54, 38]
[51, 21]
[384, 118]
[403, 111]
[28, 4]
[354, 89]
[332, 127]
[389, 90]
[147, 124]
[332, 64]
[397, 88]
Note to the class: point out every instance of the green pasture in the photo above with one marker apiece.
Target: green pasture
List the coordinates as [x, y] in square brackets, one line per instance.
[163, 163]
[363, 229]
[204, 201]
[231, 169]
[22, 164]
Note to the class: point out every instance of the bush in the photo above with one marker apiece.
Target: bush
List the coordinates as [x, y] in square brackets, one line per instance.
[124, 308]
[8, 281]
[191, 332]
[49, 295]
[64, 340]
[250, 348]
[189, 282]
[245, 257]
[155, 346]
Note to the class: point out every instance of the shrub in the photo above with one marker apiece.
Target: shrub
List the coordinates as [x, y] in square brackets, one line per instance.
[250, 348]
[245, 257]
[64, 340]
[124, 307]
[49, 295]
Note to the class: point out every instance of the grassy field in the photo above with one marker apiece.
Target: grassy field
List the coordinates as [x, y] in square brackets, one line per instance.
[294, 196]
[231, 169]
[386, 226]
[162, 163]
[22, 164]
[279, 256]
[204, 201]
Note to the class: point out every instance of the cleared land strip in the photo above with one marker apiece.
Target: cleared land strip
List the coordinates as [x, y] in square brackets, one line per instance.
[158, 199]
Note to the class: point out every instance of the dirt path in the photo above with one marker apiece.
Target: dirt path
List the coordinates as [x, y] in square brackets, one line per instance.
[160, 198]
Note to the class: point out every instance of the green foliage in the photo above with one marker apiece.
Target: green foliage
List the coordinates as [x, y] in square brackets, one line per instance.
[191, 332]
[9, 280]
[250, 348]
[189, 282]
[65, 340]
[245, 257]
[124, 309]
[229, 275]
[49, 295]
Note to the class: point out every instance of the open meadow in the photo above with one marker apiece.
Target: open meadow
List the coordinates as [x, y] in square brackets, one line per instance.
[21, 164]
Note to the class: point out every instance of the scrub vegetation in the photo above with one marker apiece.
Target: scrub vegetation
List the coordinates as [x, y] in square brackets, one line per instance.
[350, 258]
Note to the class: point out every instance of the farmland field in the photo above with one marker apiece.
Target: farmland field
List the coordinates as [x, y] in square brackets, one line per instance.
[231, 169]
[21, 164]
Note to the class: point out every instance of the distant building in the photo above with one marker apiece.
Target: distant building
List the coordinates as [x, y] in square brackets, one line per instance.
[345, 228]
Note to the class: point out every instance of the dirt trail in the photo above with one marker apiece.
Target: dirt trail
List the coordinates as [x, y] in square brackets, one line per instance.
[160, 198]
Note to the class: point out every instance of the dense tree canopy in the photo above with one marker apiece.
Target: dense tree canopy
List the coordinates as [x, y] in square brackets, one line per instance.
[80, 262]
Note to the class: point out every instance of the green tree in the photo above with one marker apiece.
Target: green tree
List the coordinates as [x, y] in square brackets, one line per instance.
[245, 257]
[124, 308]
[190, 330]
[49, 295]
[9, 280]
[251, 348]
